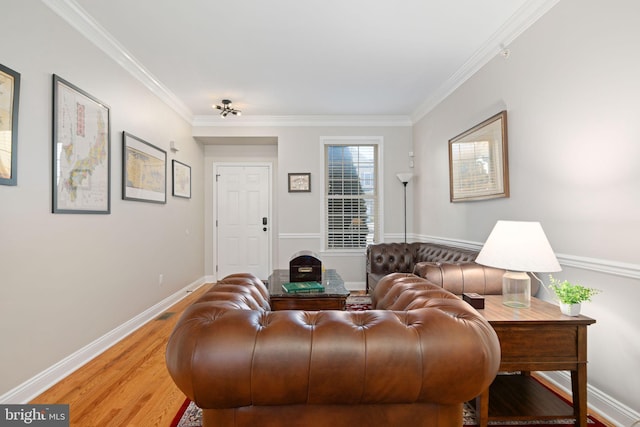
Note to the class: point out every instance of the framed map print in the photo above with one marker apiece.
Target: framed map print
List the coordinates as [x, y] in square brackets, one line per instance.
[181, 179]
[144, 170]
[81, 151]
[9, 96]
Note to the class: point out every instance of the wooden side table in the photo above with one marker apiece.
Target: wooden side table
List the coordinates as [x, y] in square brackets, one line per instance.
[538, 338]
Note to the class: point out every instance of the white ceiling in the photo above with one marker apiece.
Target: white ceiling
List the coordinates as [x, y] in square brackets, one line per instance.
[291, 58]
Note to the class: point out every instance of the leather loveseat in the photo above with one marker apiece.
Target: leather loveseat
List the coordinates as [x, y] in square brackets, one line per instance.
[411, 362]
[452, 268]
[385, 258]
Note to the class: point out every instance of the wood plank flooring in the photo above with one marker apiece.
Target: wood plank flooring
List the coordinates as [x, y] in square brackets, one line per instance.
[128, 385]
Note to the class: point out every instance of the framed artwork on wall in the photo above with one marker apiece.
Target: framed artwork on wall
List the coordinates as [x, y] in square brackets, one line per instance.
[181, 179]
[478, 161]
[9, 102]
[144, 170]
[299, 182]
[81, 151]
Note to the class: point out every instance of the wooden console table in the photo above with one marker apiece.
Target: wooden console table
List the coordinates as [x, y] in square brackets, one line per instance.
[538, 338]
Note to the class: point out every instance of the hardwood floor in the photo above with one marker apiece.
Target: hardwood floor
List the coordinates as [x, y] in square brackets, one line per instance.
[128, 385]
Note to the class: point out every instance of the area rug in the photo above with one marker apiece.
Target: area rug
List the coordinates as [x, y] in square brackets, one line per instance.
[358, 303]
[191, 416]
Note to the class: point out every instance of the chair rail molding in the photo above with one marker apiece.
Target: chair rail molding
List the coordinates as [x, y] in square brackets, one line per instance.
[299, 236]
[615, 268]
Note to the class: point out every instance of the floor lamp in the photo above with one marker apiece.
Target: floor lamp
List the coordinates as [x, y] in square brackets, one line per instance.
[404, 179]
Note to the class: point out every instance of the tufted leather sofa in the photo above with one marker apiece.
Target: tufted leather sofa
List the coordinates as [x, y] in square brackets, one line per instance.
[451, 268]
[411, 362]
[385, 258]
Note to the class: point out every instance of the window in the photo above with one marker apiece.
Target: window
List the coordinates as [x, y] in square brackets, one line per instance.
[351, 192]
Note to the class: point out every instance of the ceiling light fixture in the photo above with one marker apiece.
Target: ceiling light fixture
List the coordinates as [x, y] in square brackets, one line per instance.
[226, 109]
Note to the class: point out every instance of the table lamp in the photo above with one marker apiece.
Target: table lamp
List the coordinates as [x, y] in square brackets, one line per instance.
[518, 247]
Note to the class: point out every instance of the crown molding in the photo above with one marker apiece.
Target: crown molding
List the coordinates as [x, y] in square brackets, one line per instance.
[79, 19]
[301, 121]
[529, 13]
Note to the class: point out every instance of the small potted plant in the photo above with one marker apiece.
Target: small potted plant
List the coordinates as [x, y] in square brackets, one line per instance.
[570, 295]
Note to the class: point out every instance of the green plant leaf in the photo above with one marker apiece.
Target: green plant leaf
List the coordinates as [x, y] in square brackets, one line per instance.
[569, 293]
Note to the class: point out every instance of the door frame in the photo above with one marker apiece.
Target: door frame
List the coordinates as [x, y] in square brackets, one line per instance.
[214, 211]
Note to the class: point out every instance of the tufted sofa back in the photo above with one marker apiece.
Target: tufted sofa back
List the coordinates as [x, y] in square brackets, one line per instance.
[231, 352]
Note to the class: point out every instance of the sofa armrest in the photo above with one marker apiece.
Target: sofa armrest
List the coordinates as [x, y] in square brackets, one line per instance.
[465, 277]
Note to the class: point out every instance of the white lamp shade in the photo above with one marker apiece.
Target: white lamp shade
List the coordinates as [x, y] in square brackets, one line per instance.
[404, 177]
[518, 246]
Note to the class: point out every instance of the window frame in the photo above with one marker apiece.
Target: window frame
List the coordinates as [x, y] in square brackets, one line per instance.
[377, 143]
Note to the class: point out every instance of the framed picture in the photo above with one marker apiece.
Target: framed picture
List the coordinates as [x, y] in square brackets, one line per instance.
[181, 179]
[81, 151]
[299, 182]
[144, 170]
[9, 100]
[478, 161]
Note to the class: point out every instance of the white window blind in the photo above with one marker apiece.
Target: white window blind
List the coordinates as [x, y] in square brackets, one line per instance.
[351, 195]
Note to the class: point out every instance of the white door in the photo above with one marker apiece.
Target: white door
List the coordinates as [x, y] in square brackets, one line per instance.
[242, 220]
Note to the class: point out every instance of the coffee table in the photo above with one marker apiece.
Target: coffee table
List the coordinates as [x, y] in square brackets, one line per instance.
[334, 296]
[538, 338]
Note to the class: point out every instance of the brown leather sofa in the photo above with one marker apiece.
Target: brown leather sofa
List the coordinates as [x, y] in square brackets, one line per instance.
[385, 258]
[453, 269]
[411, 362]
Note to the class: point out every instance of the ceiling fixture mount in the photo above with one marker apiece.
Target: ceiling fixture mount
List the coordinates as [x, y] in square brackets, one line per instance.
[226, 109]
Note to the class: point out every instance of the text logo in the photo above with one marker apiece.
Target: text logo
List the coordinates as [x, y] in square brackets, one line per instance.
[34, 415]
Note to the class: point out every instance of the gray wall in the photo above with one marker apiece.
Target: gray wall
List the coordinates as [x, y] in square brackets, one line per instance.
[571, 89]
[570, 86]
[298, 217]
[67, 280]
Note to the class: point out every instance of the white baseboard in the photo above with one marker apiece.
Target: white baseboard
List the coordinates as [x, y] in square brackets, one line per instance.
[615, 412]
[31, 388]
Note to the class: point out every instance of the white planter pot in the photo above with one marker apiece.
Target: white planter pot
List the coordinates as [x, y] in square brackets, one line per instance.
[570, 309]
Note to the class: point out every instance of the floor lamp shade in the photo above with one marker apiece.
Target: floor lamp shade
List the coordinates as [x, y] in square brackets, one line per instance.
[518, 247]
[404, 177]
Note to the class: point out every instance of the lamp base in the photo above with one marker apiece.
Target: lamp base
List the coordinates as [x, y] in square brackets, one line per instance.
[516, 289]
